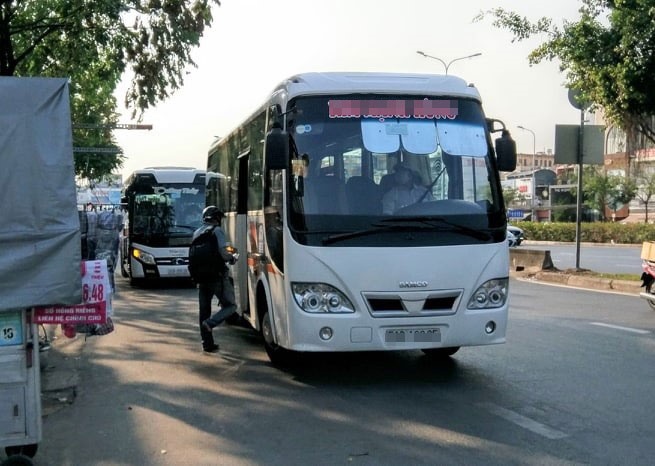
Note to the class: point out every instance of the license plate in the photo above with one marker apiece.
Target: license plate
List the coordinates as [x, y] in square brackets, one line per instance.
[176, 271]
[412, 335]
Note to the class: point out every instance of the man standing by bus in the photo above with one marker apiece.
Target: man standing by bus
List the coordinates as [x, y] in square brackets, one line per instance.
[207, 264]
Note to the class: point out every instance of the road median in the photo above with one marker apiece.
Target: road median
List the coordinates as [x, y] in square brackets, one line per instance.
[538, 266]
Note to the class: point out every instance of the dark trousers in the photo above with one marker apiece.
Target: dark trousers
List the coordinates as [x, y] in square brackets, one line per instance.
[223, 289]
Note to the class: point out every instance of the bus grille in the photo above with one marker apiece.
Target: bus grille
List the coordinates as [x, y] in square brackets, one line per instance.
[413, 304]
[172, 261]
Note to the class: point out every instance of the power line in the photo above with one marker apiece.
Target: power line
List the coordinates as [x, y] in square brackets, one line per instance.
[111, 126]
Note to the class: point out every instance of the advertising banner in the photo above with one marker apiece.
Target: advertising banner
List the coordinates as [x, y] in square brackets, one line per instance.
[96, 299]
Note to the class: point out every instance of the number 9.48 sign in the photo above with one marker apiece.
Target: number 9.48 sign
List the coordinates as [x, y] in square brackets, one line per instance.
[11, 328]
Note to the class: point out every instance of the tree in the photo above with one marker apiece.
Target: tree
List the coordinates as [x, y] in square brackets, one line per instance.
[512, 196]
[603, 191]
[608, 55]
[95, 44]
[645, 190]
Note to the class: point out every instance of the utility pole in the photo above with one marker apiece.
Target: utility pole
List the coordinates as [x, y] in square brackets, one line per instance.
[534, 168]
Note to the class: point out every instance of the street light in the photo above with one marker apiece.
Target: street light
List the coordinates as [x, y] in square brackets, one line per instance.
[534, 153]
[447, 65]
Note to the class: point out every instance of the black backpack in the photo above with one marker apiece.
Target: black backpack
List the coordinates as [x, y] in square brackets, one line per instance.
[205, 262]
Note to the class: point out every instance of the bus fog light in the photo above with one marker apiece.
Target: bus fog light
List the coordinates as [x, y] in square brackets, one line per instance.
[325, 333]
[490, 327]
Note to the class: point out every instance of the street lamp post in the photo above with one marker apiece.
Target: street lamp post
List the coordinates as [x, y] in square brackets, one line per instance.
[447, 65]
[534, 153]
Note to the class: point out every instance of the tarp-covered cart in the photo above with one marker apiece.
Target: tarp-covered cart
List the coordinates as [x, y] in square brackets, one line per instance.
[39, 242]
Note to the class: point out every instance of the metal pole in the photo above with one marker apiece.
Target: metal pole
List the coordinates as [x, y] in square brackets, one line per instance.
[534, 181]
[578, 210]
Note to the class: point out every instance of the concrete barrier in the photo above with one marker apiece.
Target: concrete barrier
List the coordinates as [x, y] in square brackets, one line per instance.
[529, 260]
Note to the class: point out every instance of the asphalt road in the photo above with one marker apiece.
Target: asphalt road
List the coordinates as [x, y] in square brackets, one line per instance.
[574, 384]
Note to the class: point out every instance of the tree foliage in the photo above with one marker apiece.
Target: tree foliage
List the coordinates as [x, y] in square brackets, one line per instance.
[645, 190]
[512, 196]
[95, 43]
[602, 190]
[608, 55]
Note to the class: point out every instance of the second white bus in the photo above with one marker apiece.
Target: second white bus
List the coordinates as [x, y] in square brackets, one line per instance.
[164, 207]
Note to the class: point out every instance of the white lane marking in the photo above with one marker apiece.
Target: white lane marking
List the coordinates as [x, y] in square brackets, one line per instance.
[618, 327]
[525, 422]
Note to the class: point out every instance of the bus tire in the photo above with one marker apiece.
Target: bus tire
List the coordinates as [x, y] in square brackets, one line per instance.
[278, 356]
[26, 450]
[440, 353]
[124, 272]
[137, 282]
[18, 460]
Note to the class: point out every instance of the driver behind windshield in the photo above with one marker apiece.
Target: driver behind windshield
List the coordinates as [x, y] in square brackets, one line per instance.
[405, 191]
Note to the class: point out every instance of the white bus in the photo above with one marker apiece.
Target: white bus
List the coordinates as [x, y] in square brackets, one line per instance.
[164, 207]
[307, 191]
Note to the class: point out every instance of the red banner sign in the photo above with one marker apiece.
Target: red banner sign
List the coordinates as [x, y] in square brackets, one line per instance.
[96, 291]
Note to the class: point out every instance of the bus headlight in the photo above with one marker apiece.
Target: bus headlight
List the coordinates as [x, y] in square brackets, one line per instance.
[144, 257]
[490, 294]
[320, 297]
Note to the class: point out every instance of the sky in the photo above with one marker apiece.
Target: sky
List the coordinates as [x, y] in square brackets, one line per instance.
[252, 45]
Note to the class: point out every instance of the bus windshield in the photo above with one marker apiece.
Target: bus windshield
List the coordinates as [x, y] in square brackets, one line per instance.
[392, 165]
[167, 214]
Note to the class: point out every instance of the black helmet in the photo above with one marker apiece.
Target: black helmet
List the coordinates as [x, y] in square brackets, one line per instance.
[212, 213]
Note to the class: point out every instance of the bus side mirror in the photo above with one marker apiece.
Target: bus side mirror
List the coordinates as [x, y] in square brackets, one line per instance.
[505, 152]
[277, 149]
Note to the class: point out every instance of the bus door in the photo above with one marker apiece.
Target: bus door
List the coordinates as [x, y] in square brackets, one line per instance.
[239, 236]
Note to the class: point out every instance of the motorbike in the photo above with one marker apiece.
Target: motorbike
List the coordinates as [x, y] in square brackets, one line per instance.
[647, 281]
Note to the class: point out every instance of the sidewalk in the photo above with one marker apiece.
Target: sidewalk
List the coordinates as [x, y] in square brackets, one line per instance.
[59, 370]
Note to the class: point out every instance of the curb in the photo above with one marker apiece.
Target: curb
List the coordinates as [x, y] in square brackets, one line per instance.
[593, 283]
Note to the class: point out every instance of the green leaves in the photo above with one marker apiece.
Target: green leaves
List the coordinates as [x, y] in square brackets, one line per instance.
[608, 55]
[94, 43]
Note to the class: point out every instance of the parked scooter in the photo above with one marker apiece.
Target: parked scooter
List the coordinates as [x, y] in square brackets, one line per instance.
[647, 281]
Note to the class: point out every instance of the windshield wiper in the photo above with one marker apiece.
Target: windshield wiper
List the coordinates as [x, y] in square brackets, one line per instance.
[188, 227]
[439, 222]
[371, 231]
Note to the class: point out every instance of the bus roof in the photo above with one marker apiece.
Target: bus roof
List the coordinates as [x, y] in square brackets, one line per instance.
[360, 82]
[168, 174]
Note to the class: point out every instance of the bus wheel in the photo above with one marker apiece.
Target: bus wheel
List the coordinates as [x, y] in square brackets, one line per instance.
[278, 355]
[18, 460]
[26, 450]
[137, 282]
[440, 353]
[124, 272]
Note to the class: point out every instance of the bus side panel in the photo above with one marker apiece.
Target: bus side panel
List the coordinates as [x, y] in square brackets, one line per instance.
[279, 305]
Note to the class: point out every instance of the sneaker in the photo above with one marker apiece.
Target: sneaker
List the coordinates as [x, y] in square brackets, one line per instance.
[210, 349]
[206, 326]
